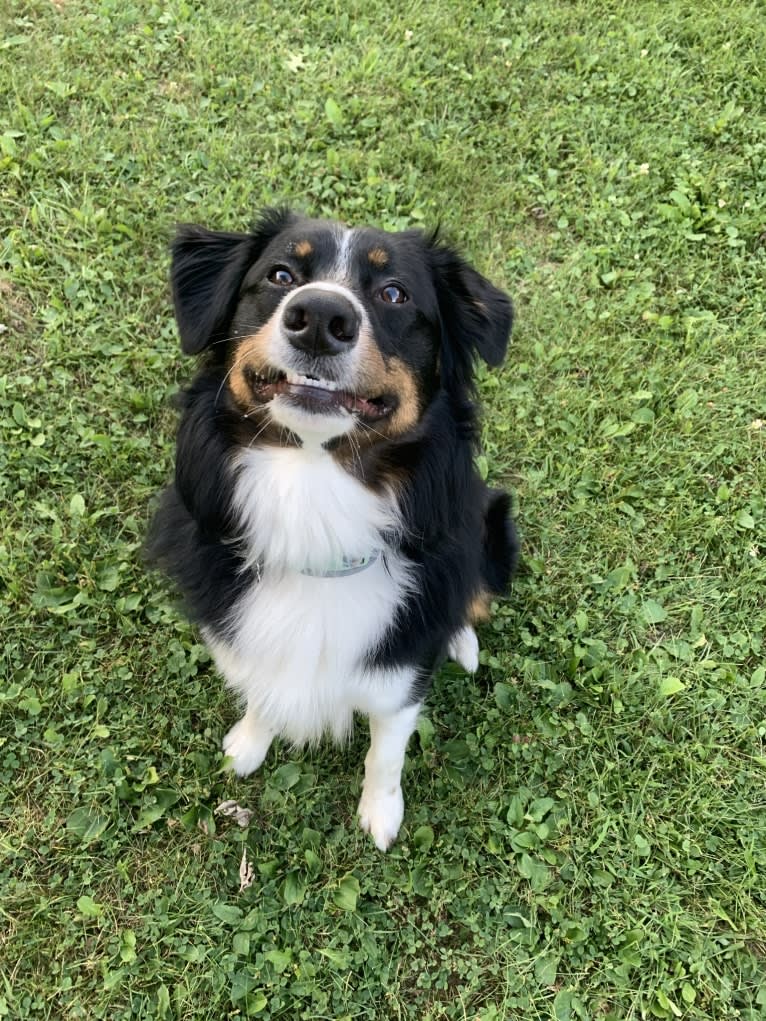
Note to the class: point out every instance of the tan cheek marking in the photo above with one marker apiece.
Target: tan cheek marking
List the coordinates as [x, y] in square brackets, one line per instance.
[478, 608]
[303, 248]
[250, 353]
[394, 376]
[407, 414]
[372, 367]
[378, 257]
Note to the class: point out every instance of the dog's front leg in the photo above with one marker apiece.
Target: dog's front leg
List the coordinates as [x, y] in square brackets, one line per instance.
[381, 808]
[247, 743]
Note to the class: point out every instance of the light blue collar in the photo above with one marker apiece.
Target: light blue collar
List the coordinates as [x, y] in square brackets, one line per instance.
[345, 566]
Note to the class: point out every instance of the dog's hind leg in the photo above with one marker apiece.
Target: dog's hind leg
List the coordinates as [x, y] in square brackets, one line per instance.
[247, 743]
[463, 648]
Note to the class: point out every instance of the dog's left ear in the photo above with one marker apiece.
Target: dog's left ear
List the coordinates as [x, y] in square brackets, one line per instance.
[476, 315]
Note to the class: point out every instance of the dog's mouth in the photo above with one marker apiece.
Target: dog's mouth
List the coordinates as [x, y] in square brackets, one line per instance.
[318, 396]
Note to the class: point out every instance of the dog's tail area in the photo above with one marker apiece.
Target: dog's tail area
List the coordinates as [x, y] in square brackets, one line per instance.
[501, 543]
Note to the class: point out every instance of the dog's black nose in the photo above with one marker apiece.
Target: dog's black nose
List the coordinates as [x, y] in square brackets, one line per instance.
[320, 322]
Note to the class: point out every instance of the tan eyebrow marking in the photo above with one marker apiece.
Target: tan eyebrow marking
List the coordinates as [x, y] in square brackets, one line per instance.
[303, 248]
[378, 257]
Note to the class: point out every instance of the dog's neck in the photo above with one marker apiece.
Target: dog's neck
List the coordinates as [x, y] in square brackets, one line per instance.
[299, 510]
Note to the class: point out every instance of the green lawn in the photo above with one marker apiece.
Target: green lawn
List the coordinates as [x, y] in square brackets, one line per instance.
[585, 834]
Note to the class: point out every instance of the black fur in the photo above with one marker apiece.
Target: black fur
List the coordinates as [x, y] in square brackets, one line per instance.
[193, 535]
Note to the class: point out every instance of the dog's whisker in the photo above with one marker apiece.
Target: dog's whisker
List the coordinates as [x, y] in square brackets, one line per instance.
[230, 340]
[237, 361]
[260, 432]
[223, 383]
[370, 429]
[356, 451]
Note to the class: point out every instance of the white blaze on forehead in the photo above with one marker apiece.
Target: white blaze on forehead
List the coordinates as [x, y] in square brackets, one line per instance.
[342, 263]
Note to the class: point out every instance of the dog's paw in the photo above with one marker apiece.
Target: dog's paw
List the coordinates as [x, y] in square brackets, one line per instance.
[464, 649]
[380, 815]
[246, 744]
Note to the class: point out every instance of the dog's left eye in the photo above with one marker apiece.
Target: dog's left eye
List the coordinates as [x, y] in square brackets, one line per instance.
[393, 294]
[281, 277]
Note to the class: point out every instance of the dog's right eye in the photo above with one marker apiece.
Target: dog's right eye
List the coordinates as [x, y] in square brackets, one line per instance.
[281, 277]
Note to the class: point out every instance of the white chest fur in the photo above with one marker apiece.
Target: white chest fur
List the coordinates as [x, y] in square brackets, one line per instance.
[297, 644]
[300, 510]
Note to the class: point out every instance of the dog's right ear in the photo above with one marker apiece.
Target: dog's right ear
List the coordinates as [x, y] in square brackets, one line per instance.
[207, 270]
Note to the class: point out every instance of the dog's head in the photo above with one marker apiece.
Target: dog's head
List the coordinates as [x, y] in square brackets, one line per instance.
[327, 331]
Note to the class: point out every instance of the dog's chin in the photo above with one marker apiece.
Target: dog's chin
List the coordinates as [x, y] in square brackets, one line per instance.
[313, 424]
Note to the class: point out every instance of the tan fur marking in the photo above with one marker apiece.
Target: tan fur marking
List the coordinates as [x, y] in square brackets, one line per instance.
[303, 248]
[378, 257]
[378, 377]
[250, 353]
[478, 609]
[407, 414]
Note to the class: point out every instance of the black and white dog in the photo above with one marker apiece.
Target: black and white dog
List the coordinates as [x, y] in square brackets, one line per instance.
[326, 526]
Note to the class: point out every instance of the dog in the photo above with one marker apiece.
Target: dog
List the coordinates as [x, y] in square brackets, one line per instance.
[326, 525]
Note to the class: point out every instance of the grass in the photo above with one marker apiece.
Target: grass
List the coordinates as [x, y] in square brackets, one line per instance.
[585, 830]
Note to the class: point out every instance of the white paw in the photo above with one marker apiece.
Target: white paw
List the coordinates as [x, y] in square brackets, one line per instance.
[464, 649]
[380, 815]
[246, 745]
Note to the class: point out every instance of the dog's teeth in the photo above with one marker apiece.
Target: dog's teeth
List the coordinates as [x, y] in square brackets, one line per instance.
[296, 379]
